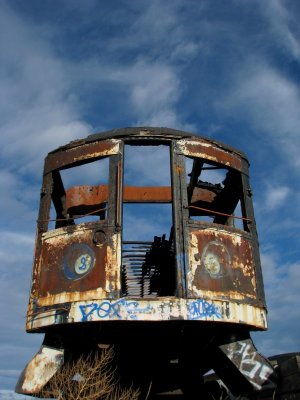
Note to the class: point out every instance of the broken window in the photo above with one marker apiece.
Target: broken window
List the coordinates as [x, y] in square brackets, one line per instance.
[80, 194]
[215, 193]
[147, 251]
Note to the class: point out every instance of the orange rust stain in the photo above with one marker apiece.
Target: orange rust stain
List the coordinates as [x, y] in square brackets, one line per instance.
[95, 195]
[217, 265]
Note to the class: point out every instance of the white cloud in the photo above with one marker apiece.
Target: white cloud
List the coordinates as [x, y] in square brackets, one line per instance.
[270, 103]
[149, 166]
[16, 347]
[282, 294]
[276, 197]
[158, 29]
[283, 23]
[151, 78]
[153, 89]
[262, 94]
[38, 112]
[143, 222]
[18, 201]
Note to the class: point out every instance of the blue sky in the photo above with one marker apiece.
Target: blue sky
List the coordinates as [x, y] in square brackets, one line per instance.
[229, 70]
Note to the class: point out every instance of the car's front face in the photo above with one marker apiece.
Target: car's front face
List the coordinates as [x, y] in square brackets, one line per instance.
[168, 235]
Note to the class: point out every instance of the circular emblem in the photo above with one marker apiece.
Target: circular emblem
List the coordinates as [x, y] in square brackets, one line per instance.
[83, 264]
[79, 260]
[212, 264]
[216, 260]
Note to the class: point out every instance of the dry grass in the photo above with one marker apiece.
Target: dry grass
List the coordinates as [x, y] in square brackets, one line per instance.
[90, 378]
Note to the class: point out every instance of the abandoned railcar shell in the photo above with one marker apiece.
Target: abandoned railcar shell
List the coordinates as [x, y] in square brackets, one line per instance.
[204, 271]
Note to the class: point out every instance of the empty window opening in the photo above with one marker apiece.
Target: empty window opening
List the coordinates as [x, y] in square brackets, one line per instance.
[80, 194]
[148, 268]
[215, 193]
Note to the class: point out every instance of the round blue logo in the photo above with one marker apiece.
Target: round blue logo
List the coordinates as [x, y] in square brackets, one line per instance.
[79, 261]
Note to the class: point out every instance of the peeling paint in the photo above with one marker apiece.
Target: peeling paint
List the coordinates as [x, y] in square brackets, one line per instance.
[217, 265]
[40, 370]
[203, 272]
[157, 310]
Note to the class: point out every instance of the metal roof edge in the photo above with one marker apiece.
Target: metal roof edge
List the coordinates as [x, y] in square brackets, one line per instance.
[147, 131]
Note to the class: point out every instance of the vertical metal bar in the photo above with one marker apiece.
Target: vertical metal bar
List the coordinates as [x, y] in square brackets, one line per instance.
[119, 217]
[247, 200]
[45, 203]
[178, 171]
[112, 192]
[120, 177]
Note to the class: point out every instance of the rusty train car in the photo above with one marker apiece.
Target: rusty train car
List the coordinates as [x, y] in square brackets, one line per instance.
[175, 304]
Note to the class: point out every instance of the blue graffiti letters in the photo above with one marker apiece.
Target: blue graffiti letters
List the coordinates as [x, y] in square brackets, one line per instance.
[83, 265]
[202, 309]
[108, 309]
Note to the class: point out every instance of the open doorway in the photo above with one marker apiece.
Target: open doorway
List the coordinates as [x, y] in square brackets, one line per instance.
[148, 262]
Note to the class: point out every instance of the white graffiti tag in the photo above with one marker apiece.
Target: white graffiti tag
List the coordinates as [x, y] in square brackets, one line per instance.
[251, 364]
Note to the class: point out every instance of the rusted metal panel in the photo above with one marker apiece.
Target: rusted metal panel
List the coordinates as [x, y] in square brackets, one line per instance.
[256, 371]
[210, 152]
[77, 261]
[40, 370]
[78, 155]
[202, 196]
[95, 195]
[147, 194]
[86, 195]
[220, 265]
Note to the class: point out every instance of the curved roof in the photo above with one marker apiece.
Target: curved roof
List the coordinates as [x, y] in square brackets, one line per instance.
[147, 132]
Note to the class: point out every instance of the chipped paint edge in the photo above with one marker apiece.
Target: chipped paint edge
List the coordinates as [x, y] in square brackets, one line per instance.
[40, 370]
[131, 309]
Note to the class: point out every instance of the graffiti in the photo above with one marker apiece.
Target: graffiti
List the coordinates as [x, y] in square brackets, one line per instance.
[202, 309]
[251, 364]
[107, 309]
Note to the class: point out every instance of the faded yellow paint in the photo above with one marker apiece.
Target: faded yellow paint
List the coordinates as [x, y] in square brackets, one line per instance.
[107, 152]
[159, 309]
[66, 297]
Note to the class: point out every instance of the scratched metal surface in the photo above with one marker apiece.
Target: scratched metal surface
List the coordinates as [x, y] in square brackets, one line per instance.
[220, 265]
[210, 152]
[71, 267]
[78, 154]
[40, 370]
